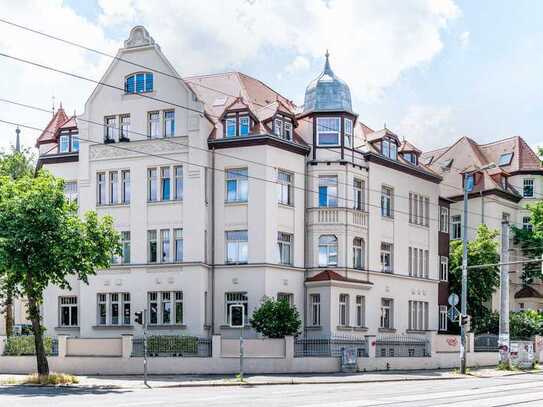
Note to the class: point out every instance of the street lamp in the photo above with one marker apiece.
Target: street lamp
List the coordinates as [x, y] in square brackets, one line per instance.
[468, 185]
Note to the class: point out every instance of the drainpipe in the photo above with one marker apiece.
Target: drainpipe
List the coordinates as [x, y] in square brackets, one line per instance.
[482, 207]
[345, 245]
[306, 255]
[213, 241]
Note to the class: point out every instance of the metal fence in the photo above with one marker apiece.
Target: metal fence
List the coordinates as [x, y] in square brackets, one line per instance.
[398, 346]
[486, 343]
[23, 345]
[173, 346]
[329, 346]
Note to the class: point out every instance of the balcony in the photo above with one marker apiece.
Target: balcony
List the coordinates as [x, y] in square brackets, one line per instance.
[337, 216]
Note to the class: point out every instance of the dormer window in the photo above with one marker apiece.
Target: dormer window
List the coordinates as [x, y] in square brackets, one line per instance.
[68, 142]
[231, 126]
[328, 131]
[411, 157]
[348, 130]
[139, 83]
[282, 127]
[389, 148]
[505, 159]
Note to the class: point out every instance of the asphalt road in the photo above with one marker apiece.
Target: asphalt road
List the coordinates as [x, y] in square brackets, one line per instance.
[523, 390]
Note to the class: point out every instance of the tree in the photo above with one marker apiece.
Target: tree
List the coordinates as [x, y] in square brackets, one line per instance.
[43, 242]
[276, 319]
[14, 165]
[531, 243]
[481, 282]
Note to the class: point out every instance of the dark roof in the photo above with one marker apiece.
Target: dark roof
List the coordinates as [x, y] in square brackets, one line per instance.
[329, 275]
[528, 292]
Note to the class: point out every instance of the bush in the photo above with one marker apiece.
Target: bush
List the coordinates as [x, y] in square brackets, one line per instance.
[172, 344]
[24, 345]
[276, 319]
[525, 324]
[52, 378]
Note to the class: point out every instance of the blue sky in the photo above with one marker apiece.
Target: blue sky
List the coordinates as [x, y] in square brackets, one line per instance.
[432, 70]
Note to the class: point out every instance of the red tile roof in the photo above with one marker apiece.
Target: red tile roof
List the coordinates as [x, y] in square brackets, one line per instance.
[329, 275]
[49, 134]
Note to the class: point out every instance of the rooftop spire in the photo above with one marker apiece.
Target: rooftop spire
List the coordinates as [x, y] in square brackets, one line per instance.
[327, 68]
[18, 140]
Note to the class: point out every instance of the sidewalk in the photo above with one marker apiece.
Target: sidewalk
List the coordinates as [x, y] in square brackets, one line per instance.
[163, 381]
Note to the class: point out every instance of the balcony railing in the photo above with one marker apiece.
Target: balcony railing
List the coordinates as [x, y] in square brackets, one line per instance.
[336, 216]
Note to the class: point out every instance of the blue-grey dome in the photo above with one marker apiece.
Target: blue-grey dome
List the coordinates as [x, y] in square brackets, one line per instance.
[327, 93]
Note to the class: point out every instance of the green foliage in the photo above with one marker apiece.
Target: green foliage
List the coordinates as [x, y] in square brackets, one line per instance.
[531, 243]
[16, 164]
[24, 345]
[481, 282]
[276, 319]
[172, 344]
[487, 323]
[525, 324]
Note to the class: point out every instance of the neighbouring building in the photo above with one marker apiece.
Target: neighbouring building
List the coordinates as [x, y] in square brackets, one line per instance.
[498, 193]
[224, 192]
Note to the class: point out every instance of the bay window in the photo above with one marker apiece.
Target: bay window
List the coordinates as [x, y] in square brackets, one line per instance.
[348, 130]
[327, 250]
[358, 253]
[236, 185]
[344, 310]
[328, 129]
[236, 246]
[328, 191]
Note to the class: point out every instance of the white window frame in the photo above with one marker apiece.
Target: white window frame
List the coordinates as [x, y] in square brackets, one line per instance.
[125, 187]
[152, 239]
[330, 182]
[235, 298]
[110, 128]
[348, 133]
[527, 223]
[165, 245]
[108, 300]
[113, 180]
[343, 319]
[125, 243]
[228, 123]
[526, 183]
[178, 183]
[241, 177]
[443, 268]
[327, 130]
[315, 303]
[443, 318]
[358, 253]
[168, 121]
[360, 311]
[152, 185]
[456, 227]
[158, 300]
[124, 126]
[241, 246]
[418, 315]
[386, 320]
[178, 243]
[443, 219]
[153, 125]
[387, 201]
[101, 188]
[358, 194]
[68, 302]
[285, 182]
[70, 191]
[284, 246]
[387, 249]
[328, 250]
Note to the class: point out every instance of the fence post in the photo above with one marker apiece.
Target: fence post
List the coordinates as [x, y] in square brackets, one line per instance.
[470, 342]
[432, 336]
[289, 347]
[62, 345]
[3, 340]
[127, 345]
[216, 346]
[538, 348]
[372, 347]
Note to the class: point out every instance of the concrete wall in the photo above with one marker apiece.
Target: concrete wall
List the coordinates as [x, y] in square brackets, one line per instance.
[94, 347]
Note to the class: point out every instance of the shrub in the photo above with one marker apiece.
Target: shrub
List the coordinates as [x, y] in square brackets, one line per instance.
[24, 345]
[276, 319]
[52, 378]
[172, 344]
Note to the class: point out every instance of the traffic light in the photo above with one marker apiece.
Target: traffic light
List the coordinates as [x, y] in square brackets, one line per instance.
[139, 317]
[465, 321]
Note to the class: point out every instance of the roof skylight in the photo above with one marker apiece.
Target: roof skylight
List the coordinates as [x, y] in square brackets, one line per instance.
[505, 159]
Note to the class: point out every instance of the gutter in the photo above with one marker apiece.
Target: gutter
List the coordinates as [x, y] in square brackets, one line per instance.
[212, 241]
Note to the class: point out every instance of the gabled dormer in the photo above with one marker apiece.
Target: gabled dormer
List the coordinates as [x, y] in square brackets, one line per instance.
[385, 142]
[409, 152]
[238, 120]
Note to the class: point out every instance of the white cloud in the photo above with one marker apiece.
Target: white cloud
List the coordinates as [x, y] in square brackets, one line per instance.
[428, 127]
[371, 43]
[464, 39]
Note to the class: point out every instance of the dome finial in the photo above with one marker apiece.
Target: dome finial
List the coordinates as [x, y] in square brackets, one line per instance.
[327, 68]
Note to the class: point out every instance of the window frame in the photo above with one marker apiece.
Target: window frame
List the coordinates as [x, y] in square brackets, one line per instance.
[178, 242]
[348, 133]
[152, 246]
[343, 319]
[327, 183]
[70, 306]
[235, 298]
[387, 248]
[531, 194]
[443, 318]
[443, 268]
[387, 201]
[360, 311]
[285, 180]
[148, 83]
[361, 249]
[315, 309]
[329, 248]
[328, 131]
[285, 245]
[171, 120]
[239, 247]
[456, 227]
[153, 124]
[444, 219]
[386, 313]
[359, 203]
[124, 127]
[241, 177]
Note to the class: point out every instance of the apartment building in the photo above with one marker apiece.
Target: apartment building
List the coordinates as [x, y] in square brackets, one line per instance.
[226, 192]
[500, 192]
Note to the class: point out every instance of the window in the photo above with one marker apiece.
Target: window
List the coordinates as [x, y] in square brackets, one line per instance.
[386, 257]
[236, 185]
[152, 246]
[348, 130]
[328, 191]
[284, 243]
[244, 124]
[443, 318]
[456, 227]
[505, 159]
[285, 187]
[178, 182]
[328, 131]
[343, 310]
[125, 247]
[64, 143]
[68, 311]
[101, 188]
[288, 297]
[443, 219]
[419, 209]
[327, 250]
[165, 307]
[237, 246]
[125, 127]
[526, 223]
[386, 320]
[165, 245]
[114, 309]
[358, 194]
[358, 253]
[386, 201]
[152, 184]
[113, 187]
[165, 183]
[528, 188]
[139, 82]
[287, 130]
[278, 127]
[315, 303]
[419, 262]
[444, 268]
[70, 191]
[411, 157]
[235, 299]
[418, 315]
[154, 125]
[231, 127]
[125, 186]
[389, 148]
[178, 236]
[169, 123]
[110, 128]
[360, 311]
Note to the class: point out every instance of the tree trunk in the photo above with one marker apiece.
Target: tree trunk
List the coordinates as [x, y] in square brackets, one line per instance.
[8, 306]
[41, 359]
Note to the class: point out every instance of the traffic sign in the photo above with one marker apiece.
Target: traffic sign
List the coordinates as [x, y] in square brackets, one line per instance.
[453, 299]
[453, 314]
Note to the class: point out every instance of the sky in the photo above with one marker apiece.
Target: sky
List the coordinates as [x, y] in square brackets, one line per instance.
[431, 70]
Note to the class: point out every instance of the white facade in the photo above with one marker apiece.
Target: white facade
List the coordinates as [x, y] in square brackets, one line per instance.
[230, 192]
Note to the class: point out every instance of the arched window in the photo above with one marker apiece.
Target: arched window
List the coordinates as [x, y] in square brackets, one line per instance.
[358, 253]
[139, 82]
[327, 250]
